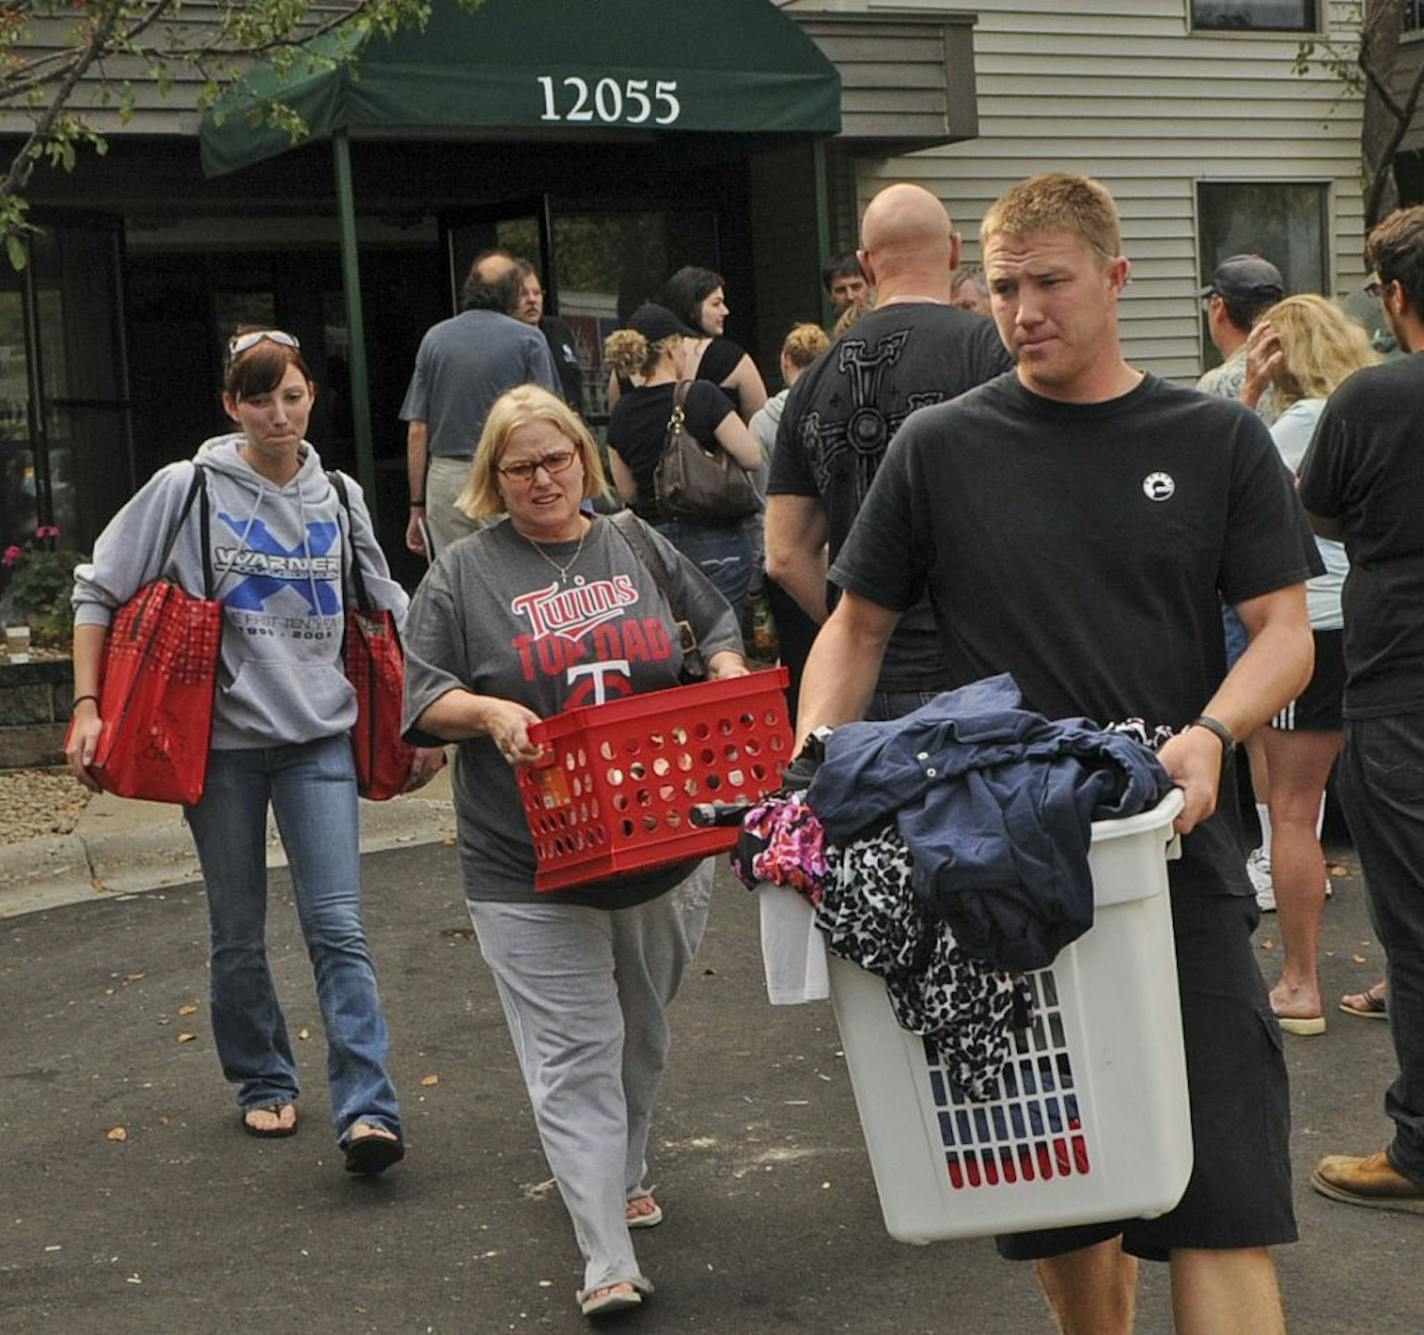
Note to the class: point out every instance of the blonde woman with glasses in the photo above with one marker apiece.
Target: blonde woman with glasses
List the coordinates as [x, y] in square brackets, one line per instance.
[548, 609]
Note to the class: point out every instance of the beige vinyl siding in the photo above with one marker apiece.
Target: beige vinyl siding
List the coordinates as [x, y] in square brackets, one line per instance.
[98, 93]
[1125, 91]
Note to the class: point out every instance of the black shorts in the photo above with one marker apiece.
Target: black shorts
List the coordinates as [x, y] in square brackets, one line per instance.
[1317, 708]
[1239, 1194]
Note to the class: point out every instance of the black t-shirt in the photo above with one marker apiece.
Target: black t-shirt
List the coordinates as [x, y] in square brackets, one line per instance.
[1365, 468]
[638, 425]
[842, 413]
[563, 348]
[1083, 548]
[721, 357]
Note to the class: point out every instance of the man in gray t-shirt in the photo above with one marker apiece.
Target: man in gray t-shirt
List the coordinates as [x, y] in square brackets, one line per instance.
[465, 364]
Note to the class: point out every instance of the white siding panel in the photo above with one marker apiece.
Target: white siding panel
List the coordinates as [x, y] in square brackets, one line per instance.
[1122, 90]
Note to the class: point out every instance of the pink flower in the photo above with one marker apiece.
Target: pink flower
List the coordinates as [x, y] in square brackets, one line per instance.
[47, 531]
[12, 557]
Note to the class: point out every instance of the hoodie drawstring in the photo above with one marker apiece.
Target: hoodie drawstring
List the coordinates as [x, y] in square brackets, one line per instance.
[242, 537]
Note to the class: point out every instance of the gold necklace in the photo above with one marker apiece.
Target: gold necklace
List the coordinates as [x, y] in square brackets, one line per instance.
[573, 560]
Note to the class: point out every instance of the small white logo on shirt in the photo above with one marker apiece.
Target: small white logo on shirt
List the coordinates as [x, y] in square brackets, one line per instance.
[1158, 486]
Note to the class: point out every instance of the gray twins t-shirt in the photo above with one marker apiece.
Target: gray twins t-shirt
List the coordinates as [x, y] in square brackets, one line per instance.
[493, 617]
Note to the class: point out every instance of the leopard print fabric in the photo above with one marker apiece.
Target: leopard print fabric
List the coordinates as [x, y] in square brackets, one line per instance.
[871, 916]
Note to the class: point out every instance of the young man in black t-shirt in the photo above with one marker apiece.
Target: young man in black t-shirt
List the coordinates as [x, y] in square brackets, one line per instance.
[1073, 525]
[912, 350]
[1362, 482]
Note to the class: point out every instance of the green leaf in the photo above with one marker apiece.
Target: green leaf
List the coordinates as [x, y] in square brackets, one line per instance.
[15, 248]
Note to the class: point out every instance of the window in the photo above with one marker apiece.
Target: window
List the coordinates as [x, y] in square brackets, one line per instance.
[1256, 15]
[1285, 222]
[1413, 15]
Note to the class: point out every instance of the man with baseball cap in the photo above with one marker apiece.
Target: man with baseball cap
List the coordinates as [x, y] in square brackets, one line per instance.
[1241, 290]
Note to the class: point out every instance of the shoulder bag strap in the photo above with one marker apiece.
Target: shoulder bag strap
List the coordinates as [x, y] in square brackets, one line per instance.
[351, 563]
[635, 534]
[198, 491]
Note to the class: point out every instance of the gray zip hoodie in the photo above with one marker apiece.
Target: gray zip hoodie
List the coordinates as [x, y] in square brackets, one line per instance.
[277, 557]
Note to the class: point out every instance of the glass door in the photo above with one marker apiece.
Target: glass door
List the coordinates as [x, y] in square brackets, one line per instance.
[519, 226]
[66, 434]
[597, 265]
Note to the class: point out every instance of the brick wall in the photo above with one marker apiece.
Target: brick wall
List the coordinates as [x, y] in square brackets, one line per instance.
[34, 712]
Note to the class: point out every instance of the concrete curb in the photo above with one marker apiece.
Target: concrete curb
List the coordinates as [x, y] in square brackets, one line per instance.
[121, 847]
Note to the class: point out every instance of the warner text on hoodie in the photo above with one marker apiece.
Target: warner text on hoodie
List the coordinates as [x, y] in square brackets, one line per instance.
[277, 558]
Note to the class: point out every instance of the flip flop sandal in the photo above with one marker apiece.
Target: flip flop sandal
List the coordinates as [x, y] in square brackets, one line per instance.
[1304, 1026]
[605, 1303]
[601, 1302]
[370, 1155]
[650, 1219]
[269, 1133]
[1368, 1005]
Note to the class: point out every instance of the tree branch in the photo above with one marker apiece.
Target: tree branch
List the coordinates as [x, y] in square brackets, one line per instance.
[1403, 115]
[23, 163]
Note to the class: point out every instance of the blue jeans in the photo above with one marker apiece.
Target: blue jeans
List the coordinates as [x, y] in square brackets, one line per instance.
[724, 555]
[1382, 791]
[312, 789]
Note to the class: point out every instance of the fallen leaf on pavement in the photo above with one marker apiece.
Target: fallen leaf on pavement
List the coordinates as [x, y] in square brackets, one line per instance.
[189, 1009]
[430, 1080]
[116, 1133]
[1359, 959]
[186, 1037]
[1335, 869]
[304, 1034]
[1268, 944]
[132, 977]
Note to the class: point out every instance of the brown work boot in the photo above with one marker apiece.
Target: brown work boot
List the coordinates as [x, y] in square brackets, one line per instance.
[1371, 1181]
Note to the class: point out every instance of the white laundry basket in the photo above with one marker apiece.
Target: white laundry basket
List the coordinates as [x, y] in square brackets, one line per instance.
[1091, 1121]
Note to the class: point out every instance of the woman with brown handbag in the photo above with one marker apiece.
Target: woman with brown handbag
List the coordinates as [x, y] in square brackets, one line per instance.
[280, 726]
[659, 349]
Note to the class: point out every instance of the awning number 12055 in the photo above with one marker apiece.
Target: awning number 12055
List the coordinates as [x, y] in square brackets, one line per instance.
[632, 102]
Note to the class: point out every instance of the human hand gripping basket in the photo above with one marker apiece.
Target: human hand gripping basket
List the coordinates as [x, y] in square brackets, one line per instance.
[615, 788]
[1090, 1121]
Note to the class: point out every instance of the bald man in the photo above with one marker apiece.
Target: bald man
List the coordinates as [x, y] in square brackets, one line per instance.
[914, 349]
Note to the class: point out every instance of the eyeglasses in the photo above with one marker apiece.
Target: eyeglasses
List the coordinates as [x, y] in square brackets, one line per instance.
[1373, 288]
[559, 461]
[239, 343]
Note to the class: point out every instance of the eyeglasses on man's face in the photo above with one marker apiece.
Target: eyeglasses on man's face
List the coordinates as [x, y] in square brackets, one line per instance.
[239, 343]
[1374, 287]
[556, 461]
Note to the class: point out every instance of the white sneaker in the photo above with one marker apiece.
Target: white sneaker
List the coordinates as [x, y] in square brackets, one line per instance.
[1258, 868]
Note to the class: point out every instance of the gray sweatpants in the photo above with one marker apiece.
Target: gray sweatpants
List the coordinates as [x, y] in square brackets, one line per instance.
[585, 992]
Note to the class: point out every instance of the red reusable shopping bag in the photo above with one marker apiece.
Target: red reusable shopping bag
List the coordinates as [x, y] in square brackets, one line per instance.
[159, 677]
[375, 667]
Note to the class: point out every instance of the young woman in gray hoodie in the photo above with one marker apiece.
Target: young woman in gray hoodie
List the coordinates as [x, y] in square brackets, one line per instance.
[279, 536]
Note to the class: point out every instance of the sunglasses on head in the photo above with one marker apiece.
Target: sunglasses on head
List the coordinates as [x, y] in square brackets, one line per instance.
[240, 343]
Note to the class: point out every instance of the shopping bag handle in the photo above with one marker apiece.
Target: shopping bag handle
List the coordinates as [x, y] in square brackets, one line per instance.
[198, 491]
[349, 560]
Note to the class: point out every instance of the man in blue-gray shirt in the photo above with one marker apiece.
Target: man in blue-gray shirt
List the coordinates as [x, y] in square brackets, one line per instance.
[464, 364]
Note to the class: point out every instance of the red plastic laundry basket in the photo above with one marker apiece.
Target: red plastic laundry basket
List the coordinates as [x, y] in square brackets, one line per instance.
[618, 781]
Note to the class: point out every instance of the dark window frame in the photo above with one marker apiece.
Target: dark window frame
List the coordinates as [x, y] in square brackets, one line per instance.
[1322, 281]
[1313, 20]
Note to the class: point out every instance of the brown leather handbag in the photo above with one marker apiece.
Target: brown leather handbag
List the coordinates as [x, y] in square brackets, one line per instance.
[698, 483]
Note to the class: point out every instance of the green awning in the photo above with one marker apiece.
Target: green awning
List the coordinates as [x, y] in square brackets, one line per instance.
[567, 69]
